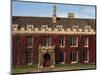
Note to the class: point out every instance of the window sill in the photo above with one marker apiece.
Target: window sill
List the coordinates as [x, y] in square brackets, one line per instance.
[85, 46]
[29, 63]
[73, 46]
[29, 46]
[86, 61]
[62, 63]
[62, 46]
[74, 62]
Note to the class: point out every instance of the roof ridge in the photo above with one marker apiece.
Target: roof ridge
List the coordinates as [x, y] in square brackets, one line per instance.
[51, 17]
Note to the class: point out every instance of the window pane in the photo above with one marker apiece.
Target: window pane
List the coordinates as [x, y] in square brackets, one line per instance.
[30, 41]
[61, 56]
[29, 55]
[73, 41]
[73, 56]
[46, 41]
[85, 41]
[61, 41]
[85, 55]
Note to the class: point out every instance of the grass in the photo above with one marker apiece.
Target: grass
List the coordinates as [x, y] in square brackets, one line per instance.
[24, 69]
[58, 67]
[76, 66]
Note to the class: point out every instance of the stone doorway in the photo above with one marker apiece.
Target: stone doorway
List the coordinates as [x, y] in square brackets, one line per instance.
[47, 60]
[46, 56]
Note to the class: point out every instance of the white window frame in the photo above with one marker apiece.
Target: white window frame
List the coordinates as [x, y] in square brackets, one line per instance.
[63, 42]
[30, 63]
[73, 62]
[30, 27]
[63, 58]
[86, 61]
[48, 41]
[75, 41]
[30, 47]
[32, 43]
[15, 27]
[87, 42]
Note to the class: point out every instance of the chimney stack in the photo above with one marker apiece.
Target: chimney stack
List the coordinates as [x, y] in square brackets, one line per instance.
[54, 14]
[70, 15]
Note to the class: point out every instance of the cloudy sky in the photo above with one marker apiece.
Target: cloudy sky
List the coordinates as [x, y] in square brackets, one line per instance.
[45, 10]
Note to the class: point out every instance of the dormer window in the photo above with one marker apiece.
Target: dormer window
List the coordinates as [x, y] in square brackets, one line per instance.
[87, 28]
[45, 27]
[59, 27]
[30, 27]
[15, 27]
[75, 28]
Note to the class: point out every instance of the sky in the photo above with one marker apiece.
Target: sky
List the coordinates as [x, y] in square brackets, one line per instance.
[46, 10]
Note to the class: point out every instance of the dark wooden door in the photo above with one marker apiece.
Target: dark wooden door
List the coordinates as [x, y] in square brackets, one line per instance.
[47, 63]
[47, 60]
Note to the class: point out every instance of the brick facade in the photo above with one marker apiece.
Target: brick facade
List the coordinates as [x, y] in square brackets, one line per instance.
[19, 47]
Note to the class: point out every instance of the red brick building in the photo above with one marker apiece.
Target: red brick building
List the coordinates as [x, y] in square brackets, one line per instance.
[47, 41]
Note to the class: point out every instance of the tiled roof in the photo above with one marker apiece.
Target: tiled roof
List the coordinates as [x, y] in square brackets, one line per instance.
[66, 22]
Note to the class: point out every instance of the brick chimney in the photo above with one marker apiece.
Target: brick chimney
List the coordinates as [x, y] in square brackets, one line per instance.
[71, 15]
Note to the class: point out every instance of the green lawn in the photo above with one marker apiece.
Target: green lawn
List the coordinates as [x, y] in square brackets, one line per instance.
[75, 66]
[58, 67]
[24, 69]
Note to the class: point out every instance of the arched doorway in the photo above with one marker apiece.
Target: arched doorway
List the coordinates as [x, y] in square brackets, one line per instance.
[47, 60]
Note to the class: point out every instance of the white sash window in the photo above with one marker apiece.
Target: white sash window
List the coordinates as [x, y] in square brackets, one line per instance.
[62, 41]
[86, 41]
[74, 57]
[74, 41]
[30, 41]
